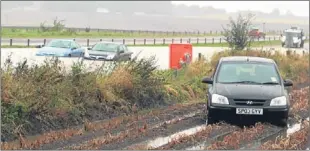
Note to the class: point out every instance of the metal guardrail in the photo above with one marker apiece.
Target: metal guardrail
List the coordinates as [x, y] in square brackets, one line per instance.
[139, 41]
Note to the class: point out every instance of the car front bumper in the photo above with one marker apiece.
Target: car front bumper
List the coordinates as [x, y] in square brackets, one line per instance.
[52, 55]
[281, 111]
[99, 59]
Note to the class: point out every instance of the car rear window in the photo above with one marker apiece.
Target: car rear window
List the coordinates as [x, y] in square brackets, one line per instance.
[231, 72]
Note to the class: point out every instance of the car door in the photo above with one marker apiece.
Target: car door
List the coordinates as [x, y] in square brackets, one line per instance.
[121, 53]
[76, 49]
[127, 52]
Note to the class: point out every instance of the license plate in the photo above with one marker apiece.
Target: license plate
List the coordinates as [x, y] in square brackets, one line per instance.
[249, 111]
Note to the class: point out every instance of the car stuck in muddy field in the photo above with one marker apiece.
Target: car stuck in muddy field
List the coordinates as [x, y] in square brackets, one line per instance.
[247, 86]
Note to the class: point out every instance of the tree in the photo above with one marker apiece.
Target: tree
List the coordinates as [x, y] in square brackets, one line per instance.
[236, 32]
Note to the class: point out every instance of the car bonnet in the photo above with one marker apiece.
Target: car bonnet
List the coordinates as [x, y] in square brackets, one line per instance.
[249, 91]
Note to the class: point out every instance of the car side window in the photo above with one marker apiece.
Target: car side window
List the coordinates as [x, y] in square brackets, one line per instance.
[121, 48]
[74, 45]
[125, 48]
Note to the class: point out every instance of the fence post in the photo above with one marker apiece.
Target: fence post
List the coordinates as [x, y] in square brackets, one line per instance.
[205, 40]
[220, 40]
[181, 40]
[199, 56]
[164, 41]
[28, 42]
[269, 38]
[144, 41]
[44, 41]
[73, 39]
[112, 40]
[11, 42]
[134, 41]
[154, 41]
[197, 40]
[87, 42]
[189, 40]
[100, 39]
[274, 38]
[172, 40]
[123, 41]
[212, 40]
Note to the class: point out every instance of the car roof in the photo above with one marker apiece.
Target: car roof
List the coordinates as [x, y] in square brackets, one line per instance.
[246, 58]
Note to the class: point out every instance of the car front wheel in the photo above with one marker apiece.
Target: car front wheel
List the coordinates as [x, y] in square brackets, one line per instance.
[210, 118]
[283, 122]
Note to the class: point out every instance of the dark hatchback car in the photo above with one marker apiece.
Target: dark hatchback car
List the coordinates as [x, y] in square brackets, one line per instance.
[247, 86]
[108, 51]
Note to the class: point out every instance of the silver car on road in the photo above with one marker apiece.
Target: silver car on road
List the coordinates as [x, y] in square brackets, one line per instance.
[108, 51]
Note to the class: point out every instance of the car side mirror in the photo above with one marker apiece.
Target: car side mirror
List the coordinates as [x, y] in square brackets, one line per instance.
[73, 48]
[288, 83]
[89, 48]
[207, 80]
[121, 51]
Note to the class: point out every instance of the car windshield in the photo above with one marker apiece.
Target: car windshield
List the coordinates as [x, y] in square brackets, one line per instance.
[244, 72]
[59, 44]
[107, 47]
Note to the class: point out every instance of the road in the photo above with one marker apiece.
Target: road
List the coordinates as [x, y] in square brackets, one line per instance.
[161, 54]
[129, 41]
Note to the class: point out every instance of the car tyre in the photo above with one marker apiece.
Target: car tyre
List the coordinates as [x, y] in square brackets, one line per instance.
[283, 122]
[210, 119]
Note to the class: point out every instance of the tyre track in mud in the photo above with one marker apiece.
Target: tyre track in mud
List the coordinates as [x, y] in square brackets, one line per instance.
[163, 116]
[77, 135]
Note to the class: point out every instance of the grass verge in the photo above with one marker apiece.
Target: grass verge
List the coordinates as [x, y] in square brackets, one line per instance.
[36, 33]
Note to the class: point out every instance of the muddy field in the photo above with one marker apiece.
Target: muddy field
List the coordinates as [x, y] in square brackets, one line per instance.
[180, 126]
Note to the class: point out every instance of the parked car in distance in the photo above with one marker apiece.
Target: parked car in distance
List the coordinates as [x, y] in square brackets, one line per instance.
[61, 48]
[247, 86]
[108, 51]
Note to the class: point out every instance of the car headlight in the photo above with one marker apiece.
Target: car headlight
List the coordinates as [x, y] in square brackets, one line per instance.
[279, 101]
[110, 56]
[219, 99]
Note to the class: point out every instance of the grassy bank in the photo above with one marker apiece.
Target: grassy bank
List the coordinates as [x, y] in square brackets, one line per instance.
[69, 33]
[35, 33]
[40, 98]
[223, 44]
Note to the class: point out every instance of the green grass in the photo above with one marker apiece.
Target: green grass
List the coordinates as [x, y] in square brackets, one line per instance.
[254, 44]
[35, 33]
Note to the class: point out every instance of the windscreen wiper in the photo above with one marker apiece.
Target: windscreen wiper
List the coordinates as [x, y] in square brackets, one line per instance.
[272, 83]
[250, 82]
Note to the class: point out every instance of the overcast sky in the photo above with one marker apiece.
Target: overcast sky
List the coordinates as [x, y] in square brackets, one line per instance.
[298, 8]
